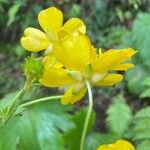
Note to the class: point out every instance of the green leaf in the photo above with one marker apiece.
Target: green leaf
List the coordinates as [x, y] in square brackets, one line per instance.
[8, 142]
[141, 37]
[73, 137]
[142, 134]
[6, 104]
[118, 116]
[143, 114]
[140, 40]
[144, 145]
[141, 126]
[12, 13]
[145, 94]
[74, 11]
[146, 82]
[19, 51]
[135, 77]
[39, 127]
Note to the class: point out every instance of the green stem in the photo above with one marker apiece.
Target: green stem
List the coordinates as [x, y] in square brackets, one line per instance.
[40, 100]
[87, 119]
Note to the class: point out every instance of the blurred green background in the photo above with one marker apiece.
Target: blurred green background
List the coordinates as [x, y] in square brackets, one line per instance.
[110, 24]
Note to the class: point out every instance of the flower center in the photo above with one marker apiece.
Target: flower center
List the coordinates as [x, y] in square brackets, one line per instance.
[52, 36]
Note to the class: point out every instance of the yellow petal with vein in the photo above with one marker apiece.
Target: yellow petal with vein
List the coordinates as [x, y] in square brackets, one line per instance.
[110, 80]
[112, 58]
[74, 25]
[50, 20]
[73, 52]
[55, 77]
[34, 40]
[71, 97]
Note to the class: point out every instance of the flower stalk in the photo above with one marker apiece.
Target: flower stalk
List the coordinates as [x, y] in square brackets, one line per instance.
[40, 100]
[87, 119]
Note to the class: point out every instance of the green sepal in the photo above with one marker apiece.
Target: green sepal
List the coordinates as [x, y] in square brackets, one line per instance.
[33, 68]
[88, 71]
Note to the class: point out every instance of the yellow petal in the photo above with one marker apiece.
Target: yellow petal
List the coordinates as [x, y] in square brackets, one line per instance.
[124, 145]
[103, 147]
[110, 80]
[73, 52]
[123, 67]
[74, 25]
[71, 97]
[50, 20]
[61, 34]
[112, 58]
[107, 147]
[55, 77]
[34, 40]
[119, 145]
[93, 54]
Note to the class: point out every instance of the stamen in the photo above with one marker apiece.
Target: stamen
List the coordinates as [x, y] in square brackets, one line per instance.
[49, 49]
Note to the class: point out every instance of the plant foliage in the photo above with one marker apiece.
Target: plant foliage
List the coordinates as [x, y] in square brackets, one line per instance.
[118, 116]
[40, 126]
[146, 93]
[73, 136]
[142, 129]
[140, 40]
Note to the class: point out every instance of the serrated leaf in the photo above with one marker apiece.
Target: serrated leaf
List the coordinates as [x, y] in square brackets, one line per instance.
[142, 134]
[141, 37]
[135, 77]
[140, 40]
[39, 127]
[143, 114]
[118, 116]
[141, 126]
[144, 145]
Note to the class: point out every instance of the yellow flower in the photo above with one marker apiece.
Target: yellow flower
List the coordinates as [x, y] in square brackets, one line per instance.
[119, 145]
[50, 20]
[81, 63]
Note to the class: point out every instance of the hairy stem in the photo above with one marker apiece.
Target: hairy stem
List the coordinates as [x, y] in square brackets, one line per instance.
[87, 119]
